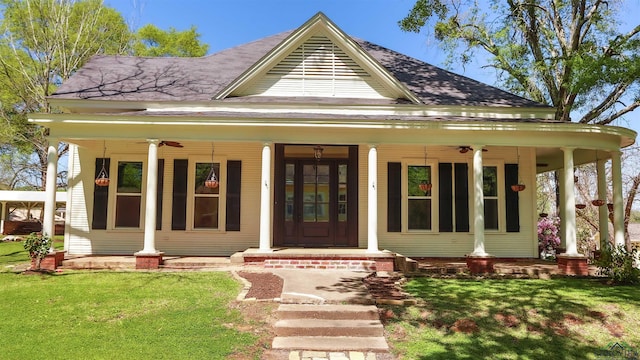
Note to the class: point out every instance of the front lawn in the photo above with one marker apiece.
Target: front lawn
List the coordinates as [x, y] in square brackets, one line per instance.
[122, 315]
[13, 252]
[562, 318]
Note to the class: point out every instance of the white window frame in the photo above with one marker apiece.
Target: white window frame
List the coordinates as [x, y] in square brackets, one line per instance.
[433, 163]
[222, 192]
[113, 191]
[499, 165]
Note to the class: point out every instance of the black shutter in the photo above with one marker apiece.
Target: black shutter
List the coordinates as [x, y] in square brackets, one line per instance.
[512, 199]
[159, 194]
[394, 197]
[100, 198]
[234, 182]
[462, 197]
[179, 206]
[446, 197]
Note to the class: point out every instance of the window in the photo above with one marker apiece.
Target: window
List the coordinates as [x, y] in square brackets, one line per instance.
[490, 190]
[128, 194]
[206, 201]
[419, 201]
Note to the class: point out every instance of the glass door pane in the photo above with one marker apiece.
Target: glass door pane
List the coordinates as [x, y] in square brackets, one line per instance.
[315, 198]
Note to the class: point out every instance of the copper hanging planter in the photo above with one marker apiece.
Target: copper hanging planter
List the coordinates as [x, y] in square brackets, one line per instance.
[102, 181]
[581, 206]
[425, 186]
[518, 187]
[610, 207]
[597, 202]
[211, 182]
[103, 177]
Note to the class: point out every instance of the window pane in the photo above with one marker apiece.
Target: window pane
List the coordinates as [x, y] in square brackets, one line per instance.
[417, 174]
[129, 177]
[323, 213]
[128, 211]
[419, 214]
[290, 171]
[490, 180]
[206, 213]
[491, 214]
[342, 173]
[202, 172]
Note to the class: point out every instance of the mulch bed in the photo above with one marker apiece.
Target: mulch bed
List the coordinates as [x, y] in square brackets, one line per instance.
[263, 285]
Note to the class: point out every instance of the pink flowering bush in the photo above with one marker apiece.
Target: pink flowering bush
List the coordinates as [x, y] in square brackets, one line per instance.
[548, 238]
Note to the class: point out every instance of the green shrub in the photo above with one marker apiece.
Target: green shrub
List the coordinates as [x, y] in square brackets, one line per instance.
[37, 245]
[619, 264]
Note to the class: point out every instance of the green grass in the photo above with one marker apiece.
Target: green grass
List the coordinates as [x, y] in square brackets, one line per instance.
[126, 315]
[561, 318]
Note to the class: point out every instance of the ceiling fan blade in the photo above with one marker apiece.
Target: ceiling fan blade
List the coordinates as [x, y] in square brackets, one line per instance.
[171, 143]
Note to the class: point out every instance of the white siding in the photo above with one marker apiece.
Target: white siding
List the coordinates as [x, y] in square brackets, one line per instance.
[84, 240]
[450, 244]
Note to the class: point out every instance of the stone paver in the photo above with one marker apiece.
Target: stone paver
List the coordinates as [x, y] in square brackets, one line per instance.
[321, 355]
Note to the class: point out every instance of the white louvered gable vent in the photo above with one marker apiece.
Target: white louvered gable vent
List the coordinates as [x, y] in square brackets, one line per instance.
[318, 67]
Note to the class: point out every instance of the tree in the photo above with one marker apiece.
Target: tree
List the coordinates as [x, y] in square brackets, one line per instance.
[568, 54]
[42, 43]
[152, 41]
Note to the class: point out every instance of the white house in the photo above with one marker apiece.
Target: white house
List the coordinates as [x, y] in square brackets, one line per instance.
[317, 139]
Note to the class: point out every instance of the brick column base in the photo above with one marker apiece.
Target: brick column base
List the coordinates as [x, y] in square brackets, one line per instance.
[385, 264]
[480, 264]
[51, 261]
[573, 265]
[148, 261]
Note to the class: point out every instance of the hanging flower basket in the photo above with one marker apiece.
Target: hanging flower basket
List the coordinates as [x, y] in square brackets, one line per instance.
[102, 181]
[580, 206]
[518, 187]
[543, 215]
[211, 184]
[597, 202]
[610, 207]
[425, 186]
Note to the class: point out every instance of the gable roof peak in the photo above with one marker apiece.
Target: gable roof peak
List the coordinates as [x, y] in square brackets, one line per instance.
[319, 23]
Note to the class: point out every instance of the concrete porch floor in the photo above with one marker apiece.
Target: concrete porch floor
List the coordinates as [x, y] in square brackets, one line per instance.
[253, 259]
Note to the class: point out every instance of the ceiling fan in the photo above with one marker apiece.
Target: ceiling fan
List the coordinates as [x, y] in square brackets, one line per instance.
[170, 143]
[466, 148]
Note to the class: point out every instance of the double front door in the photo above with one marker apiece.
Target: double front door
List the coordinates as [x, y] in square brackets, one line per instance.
[316, 203]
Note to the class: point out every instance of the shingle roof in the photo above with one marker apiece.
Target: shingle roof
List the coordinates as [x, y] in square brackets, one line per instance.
[131, 78]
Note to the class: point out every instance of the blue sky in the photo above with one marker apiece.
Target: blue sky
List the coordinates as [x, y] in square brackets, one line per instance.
[224, 24]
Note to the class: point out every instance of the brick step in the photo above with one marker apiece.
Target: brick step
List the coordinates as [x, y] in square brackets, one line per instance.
[317, 327]
[331, 343]
[321, 264]
[328, 312]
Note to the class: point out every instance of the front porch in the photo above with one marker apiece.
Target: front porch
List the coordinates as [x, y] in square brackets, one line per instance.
[326, 259]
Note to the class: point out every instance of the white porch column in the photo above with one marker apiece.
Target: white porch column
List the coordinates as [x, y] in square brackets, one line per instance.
[2, 216]
[265, 200]
[48, 220]
[478, 203]
[618, 202]
[560, 210]
[569, 200]
[151, 199]
[603, 212]
[372, 199]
